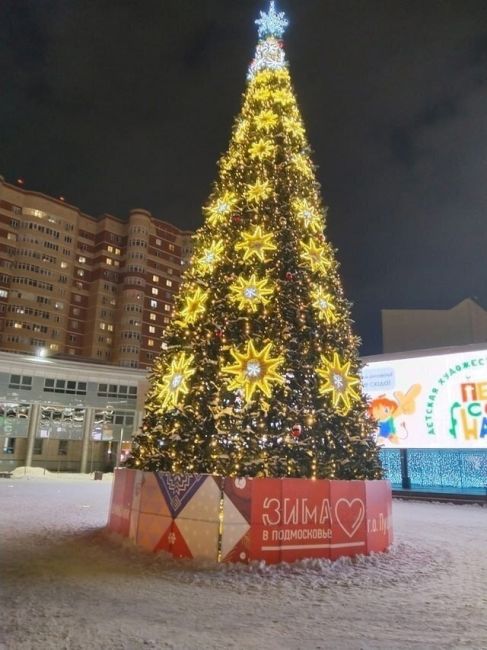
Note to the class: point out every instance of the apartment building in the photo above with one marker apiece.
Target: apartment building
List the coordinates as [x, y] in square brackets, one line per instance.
[90, 288]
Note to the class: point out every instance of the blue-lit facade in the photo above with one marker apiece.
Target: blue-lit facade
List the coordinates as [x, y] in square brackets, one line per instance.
[431, 413]
[460, 469]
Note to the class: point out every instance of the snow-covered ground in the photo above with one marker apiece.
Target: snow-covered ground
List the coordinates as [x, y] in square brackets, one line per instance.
[64, 585]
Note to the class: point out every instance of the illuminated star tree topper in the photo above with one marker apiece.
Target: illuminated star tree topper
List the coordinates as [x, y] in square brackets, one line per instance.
[272, 23]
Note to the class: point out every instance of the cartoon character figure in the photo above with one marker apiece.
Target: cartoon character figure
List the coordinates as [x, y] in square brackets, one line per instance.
[386, 411]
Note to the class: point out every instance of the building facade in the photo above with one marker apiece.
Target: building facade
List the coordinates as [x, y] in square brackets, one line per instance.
[418, 329]
[72, 285]
[67, 415]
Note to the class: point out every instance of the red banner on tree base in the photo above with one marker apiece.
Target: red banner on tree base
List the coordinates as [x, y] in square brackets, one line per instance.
[244, 519]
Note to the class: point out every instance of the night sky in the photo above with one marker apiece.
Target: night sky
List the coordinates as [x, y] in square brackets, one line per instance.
[117, 104]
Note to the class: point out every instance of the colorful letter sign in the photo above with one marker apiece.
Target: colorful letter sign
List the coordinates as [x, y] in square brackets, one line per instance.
[431, 401]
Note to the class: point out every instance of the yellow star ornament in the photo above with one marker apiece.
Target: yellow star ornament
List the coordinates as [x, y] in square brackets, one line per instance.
[219, 209]
[256, 243]
[262, 149]
[323, 304]
[240, 131]
[307, 214]
[174, 382]
[338, 382]
[262, 94]
[283, 97]
[294, 126]
[254, 369]
[194, 307]
[258, 191]
[209, 257]
[315, 256]
[302, 164]
[265, 120]
[250, 293]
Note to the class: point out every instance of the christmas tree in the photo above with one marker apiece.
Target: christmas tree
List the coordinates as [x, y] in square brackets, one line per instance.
[259, 372]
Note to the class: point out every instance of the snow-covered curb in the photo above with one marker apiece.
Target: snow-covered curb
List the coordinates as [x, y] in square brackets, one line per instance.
[39, 473]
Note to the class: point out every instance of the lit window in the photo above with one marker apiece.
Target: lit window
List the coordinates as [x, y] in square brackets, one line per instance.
[158, 242]
[168, 283]
[153, 304]
[81, 259]
[103, 326]
[155, 278]
[109, 261]
[150, 343]
[117, 251]
[153, 316]
[64, 265]
[110, 328]
[152, 329]
[110, 249]
[80, 272]
[167, 307]
[171, 247]
[155, 292]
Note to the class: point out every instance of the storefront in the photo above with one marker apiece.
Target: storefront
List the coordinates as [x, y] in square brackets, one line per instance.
[66, 415]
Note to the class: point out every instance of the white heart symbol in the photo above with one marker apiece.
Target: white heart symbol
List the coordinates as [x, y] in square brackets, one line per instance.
[350, 530]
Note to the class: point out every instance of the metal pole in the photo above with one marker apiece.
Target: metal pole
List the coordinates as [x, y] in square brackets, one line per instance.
[406, 481]
[119, 449]
[87, 426]
[34, 417]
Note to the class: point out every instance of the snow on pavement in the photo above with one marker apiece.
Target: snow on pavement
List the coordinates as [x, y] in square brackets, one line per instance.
[65, 586]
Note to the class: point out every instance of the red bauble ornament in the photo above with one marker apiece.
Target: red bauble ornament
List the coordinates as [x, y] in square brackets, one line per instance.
[289, 276]
[237, 218]
[219, 333]
[296, 430]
